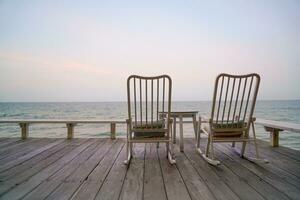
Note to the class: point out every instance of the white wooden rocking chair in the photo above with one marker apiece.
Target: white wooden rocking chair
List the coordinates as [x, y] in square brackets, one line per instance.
[146, 97]
[233, 105]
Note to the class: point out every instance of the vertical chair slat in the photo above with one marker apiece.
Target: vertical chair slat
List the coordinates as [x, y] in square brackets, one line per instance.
[242, 100]
[157, 103]
[128, 99]
[146, 88]
[220, 99]
[247, 102]
[152, 102]
[141, 107]
[254, 97]
[135, 115]
[163, 103]
[169, 105]
[225, 101]
[231, 100]
[237, 99]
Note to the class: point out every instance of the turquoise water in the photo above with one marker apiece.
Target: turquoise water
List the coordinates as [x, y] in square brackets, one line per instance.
[288, 110]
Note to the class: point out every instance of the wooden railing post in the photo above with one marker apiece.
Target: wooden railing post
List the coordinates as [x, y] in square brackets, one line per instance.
[112, 130]
[24, 130]
[274, 136]
[70, 127]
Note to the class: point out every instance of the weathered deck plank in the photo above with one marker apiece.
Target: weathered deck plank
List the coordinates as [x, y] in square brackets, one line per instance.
[114, 178]
[220, 190]
[133, 184]
[153, 181]
[46, 188]
[238, 185]
[280, 166]
[94, 169]
[262, 187]
[174, 184]
[6, 174]
[195, 185]
[270, 173]
[19, 148]
[28, 155]
[73, 182]
[16, 179]
[281, 150]
[8, 142]
[94, 181]
[22, 189]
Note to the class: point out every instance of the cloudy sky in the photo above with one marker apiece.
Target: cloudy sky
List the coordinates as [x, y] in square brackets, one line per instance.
[84, 50]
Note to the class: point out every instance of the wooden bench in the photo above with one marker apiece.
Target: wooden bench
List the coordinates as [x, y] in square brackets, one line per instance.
[70, 124]
[274, 127]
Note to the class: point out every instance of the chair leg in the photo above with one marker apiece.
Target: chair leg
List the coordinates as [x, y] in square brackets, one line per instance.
[129, 155]
[131, 147]
[205, 155]
[181, 142]
[255, 144]
[256, 159]
[169, 153]
[167, 149]
[233, 144]
[207, 146]
[209, 156]
[243, 149]
[198, 136]
[174, 131]
[212, 151]
[128, 148]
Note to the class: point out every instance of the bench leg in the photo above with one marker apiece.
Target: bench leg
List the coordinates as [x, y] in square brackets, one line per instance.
[70, 127]
[274, 135]
[112, 131]
[181, 133]
[174, 131]
[24, 130]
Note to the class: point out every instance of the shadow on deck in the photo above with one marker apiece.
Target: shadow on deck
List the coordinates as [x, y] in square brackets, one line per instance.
[94, 169]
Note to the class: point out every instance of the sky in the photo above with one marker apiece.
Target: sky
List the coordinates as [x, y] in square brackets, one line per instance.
[56, 50]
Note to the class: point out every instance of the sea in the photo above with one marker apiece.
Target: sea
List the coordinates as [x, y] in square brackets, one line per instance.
[281, 110]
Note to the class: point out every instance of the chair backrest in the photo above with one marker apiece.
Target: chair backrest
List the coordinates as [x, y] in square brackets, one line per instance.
[234, 101]
[146, 97]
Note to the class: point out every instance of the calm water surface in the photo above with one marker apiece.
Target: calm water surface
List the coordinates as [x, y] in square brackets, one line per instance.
[288, 111]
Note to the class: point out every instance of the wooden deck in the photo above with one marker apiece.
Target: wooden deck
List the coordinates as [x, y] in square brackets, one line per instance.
[93, 169]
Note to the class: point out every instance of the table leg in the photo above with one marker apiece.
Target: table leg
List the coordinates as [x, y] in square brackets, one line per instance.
[195, 125]
[181, 133]
[174, 131]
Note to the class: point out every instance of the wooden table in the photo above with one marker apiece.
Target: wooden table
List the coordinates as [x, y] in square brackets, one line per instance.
[181, 115]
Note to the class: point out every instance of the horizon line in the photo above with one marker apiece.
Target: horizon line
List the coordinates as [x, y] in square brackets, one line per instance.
[113, 101]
